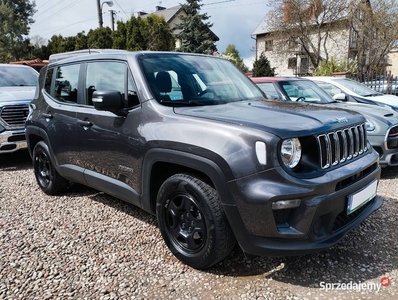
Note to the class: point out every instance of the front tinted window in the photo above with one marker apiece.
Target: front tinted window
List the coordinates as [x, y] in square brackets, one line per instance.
[193, 79]
[66, 83]
[17, 76]
[109, 76]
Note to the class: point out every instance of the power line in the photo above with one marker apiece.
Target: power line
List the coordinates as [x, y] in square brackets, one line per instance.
[58, 12]
[44, 4]
[122, 9]
[48, 9]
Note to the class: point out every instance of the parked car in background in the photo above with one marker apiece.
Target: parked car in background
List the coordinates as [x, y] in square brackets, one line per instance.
[191, 139]
[381, 122]
[17, 88]
[345, 89]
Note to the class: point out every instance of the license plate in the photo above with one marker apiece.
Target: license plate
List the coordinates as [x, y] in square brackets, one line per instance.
[355, 201]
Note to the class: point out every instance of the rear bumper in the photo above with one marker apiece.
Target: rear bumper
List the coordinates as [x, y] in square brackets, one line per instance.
[12, 140]
[320, 220]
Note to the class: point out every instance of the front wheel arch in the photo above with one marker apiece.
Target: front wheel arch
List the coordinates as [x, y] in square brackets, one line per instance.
[192, 221]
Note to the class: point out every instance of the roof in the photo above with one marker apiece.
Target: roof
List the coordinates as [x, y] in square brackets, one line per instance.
[169, 13]
[36, 64]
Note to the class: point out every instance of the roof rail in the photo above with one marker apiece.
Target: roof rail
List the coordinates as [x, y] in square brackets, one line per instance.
[64, 55]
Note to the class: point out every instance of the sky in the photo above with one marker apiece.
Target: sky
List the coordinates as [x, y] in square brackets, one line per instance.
[233, 20]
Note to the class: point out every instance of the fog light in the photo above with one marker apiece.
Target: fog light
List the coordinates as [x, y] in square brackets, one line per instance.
[284, 204]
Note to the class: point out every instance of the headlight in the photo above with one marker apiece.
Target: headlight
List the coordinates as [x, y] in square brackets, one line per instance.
[291, 152]
[369, 125]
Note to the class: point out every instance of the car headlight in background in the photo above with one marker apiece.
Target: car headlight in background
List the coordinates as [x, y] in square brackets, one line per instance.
[291, 152]
[369, 125]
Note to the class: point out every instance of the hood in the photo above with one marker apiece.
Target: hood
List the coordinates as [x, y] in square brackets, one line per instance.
[380, 113]
[285, 119]
[17, 93]
[387, 99]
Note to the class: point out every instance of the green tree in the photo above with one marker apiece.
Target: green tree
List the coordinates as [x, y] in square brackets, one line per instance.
[232, 54]
[56, 44]
[119, 36]
[262, 67]
[327, 68]
[15, 18]
[160, 37]
[196, 35]
[81, 41]
[100, 38]
[136, 37]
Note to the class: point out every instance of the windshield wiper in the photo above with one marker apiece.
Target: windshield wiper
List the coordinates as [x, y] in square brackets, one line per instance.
[181, 103]
[372, 95]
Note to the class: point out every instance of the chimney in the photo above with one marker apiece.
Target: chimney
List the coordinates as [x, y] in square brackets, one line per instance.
[288, 8]
[160, 8]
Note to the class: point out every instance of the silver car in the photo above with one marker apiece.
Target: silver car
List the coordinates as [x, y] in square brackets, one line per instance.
[17, 89]
[381, 122]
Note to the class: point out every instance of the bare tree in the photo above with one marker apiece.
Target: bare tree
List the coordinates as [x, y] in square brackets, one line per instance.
[375, 26]
[307, 27]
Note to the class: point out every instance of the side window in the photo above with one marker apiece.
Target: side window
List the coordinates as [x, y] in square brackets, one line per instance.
[47, 83]
[66, 83]
[329, 88]
[105, 76]
[269, 90]
[132, 97]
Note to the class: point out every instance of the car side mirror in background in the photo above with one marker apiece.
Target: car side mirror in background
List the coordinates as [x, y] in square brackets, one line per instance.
[340, 97]
[109, 101]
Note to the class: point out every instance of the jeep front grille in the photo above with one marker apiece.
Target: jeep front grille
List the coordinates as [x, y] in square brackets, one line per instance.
[336, 147]
[15, 115]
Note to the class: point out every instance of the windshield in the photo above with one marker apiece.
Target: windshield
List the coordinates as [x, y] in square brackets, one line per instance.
[357, 87]
[183, 79]
[17, 76]
[304, 91]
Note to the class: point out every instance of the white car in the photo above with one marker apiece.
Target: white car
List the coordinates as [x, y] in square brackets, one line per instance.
[345, 89]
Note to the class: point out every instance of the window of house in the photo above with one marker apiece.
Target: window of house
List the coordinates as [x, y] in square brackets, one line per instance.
[66, 83]
[268, 45]
[292, 63]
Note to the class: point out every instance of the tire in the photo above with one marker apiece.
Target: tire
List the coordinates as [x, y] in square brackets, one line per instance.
[46, 176]
[192, 221]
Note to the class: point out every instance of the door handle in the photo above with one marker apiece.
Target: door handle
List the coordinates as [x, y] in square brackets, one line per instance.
[84, 123]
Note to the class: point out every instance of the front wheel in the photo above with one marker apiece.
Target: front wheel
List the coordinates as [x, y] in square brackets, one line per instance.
[192, 221]
[46, 176]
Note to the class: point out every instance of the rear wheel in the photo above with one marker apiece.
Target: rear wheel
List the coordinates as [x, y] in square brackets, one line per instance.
[46, 176]
[192, 221]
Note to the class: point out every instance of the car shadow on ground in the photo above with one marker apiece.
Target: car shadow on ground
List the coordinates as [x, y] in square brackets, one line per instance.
[19, 160]
[389, 173]
[358, 254]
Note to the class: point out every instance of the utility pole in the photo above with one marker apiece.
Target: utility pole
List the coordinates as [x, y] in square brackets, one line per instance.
[99, 9]
[113, 13]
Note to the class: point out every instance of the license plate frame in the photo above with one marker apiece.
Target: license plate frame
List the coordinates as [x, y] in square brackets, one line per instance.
[360, 198]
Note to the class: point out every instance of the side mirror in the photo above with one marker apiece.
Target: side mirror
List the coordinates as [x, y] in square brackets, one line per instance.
[108, 101]
[340, 97]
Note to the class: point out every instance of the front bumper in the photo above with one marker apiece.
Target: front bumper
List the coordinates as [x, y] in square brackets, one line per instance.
[319, 222]
[12, 140]
[387, 149]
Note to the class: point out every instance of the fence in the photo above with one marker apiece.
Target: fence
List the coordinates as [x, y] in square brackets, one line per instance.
[386, 84]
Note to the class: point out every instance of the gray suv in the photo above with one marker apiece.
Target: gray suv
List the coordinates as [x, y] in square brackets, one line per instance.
[17, 89]
[192, 140]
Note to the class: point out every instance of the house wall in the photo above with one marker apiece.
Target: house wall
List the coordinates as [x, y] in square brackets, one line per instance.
[393, 62]
[336, 45]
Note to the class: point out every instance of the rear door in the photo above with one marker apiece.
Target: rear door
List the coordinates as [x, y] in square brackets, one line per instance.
[109, 144]
[59, 118]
